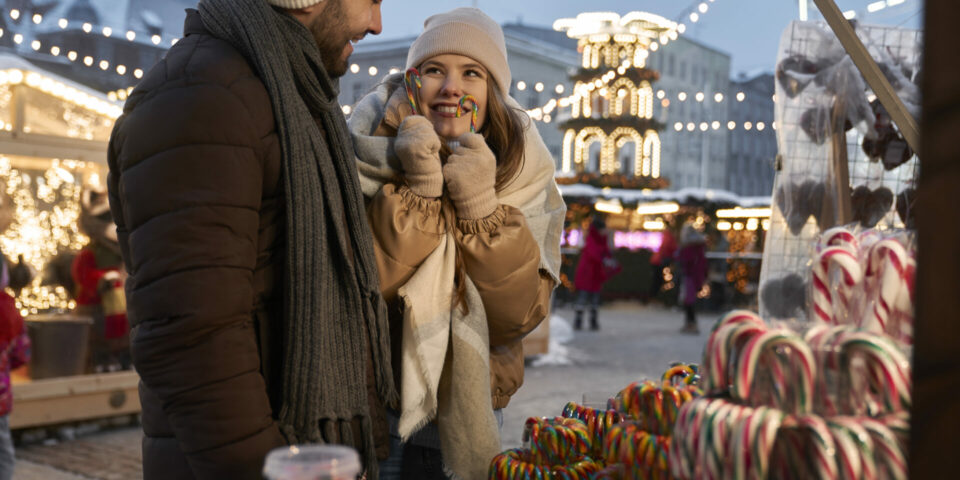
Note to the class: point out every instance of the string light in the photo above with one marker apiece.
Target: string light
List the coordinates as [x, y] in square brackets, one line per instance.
[37, 18]
[372, 71]
[45, 221]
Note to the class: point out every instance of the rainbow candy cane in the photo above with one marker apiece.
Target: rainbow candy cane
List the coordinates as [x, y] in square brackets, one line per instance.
[475, 108]
[411, 79]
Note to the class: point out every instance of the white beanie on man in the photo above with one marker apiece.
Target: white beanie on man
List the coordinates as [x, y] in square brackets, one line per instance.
[464, 31]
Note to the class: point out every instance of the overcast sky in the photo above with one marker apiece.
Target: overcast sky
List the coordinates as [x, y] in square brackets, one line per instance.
[748, 30]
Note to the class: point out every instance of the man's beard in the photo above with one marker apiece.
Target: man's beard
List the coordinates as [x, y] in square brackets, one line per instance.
[332, 36]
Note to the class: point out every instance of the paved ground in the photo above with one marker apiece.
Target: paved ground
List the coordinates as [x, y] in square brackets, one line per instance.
[634, 343]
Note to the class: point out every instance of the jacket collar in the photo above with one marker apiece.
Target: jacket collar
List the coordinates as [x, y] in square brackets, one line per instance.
[193, 23]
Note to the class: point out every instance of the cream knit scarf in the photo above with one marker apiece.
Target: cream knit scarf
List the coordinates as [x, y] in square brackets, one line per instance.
[445, 371]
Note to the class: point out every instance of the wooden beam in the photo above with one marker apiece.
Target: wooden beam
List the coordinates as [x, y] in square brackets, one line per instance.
[70, 399]
[871, 72]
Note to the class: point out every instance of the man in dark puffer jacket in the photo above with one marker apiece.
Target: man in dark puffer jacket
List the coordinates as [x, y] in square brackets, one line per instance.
[255, 321]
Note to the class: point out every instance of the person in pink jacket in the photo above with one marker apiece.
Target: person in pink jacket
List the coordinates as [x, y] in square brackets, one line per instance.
[595, 267]
[14, 352]
[692, 261]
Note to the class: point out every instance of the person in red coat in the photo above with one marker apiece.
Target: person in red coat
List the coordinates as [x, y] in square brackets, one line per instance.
[14, 352]
[595, 267]
[692, 260]
[98, 276]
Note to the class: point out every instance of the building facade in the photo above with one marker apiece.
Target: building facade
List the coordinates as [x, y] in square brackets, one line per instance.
[695, 141]
[753, 144]
[104, 44]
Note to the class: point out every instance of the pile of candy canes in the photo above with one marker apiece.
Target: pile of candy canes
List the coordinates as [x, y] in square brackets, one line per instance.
[831, 403]
[630, 439]
[866, 280]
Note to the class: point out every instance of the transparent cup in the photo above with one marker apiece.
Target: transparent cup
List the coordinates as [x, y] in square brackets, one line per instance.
[312, 462]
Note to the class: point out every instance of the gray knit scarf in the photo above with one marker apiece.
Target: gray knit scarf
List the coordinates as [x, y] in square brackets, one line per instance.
[332, 304]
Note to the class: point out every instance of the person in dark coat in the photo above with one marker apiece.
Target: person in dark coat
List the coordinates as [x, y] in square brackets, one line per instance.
[252, 295]
[692, 261]
[595, 267]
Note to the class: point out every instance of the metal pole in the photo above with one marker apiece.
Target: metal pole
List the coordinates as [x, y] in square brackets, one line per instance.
[871, 72]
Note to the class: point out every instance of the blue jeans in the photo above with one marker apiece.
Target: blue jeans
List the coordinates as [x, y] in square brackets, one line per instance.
[6, 449]
[416, 462]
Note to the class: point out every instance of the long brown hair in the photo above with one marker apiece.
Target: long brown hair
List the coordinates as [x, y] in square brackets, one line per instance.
[503, 130]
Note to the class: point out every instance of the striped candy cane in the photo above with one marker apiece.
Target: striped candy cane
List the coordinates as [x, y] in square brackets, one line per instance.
[852, 274]
[888, 265]
[840, 237]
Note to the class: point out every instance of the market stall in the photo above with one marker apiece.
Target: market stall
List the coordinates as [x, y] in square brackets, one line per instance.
[53, 143]
[646, 225]
[818, 384]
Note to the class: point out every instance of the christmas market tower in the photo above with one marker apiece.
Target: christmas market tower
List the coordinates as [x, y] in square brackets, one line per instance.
[613, 96]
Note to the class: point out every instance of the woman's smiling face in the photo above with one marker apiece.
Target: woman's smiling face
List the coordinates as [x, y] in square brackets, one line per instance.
[445, 79]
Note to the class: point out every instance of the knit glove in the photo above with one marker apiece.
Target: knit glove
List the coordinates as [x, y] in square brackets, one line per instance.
[418, 148]
[471, 174]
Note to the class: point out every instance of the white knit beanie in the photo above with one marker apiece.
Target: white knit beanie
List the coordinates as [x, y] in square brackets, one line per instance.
[464, 31]
[293, 3]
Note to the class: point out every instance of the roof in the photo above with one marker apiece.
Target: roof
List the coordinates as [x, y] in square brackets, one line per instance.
[683, 195]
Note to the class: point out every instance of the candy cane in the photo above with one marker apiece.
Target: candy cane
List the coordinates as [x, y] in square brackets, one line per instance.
[474, 109]
[824, 343]
[886, 271]
[517, 463]
[840, 237]
[852, 274]
[823, 462]
[411, 80]
[735, 327]
[887, 449]
[749, 360]
[557, 440]
[855, 446]
[753, 444]
[887, 365]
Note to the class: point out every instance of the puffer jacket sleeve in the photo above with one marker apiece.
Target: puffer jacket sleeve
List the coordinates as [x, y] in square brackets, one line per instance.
[502, 259]
[186, 201]
[406, 229]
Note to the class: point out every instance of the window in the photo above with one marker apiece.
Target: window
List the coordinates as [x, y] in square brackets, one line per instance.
[670, 65]
[683, 70]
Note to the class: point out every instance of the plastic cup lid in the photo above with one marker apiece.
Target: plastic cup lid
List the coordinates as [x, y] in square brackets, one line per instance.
[312, 461]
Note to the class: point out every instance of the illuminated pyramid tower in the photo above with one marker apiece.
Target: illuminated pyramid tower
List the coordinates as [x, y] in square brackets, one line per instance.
[612, 102]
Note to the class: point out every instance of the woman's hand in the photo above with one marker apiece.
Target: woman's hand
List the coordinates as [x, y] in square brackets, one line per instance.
[471, 175]
[418, 148]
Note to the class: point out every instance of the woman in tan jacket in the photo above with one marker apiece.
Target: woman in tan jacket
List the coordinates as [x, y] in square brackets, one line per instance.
[467, 231]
